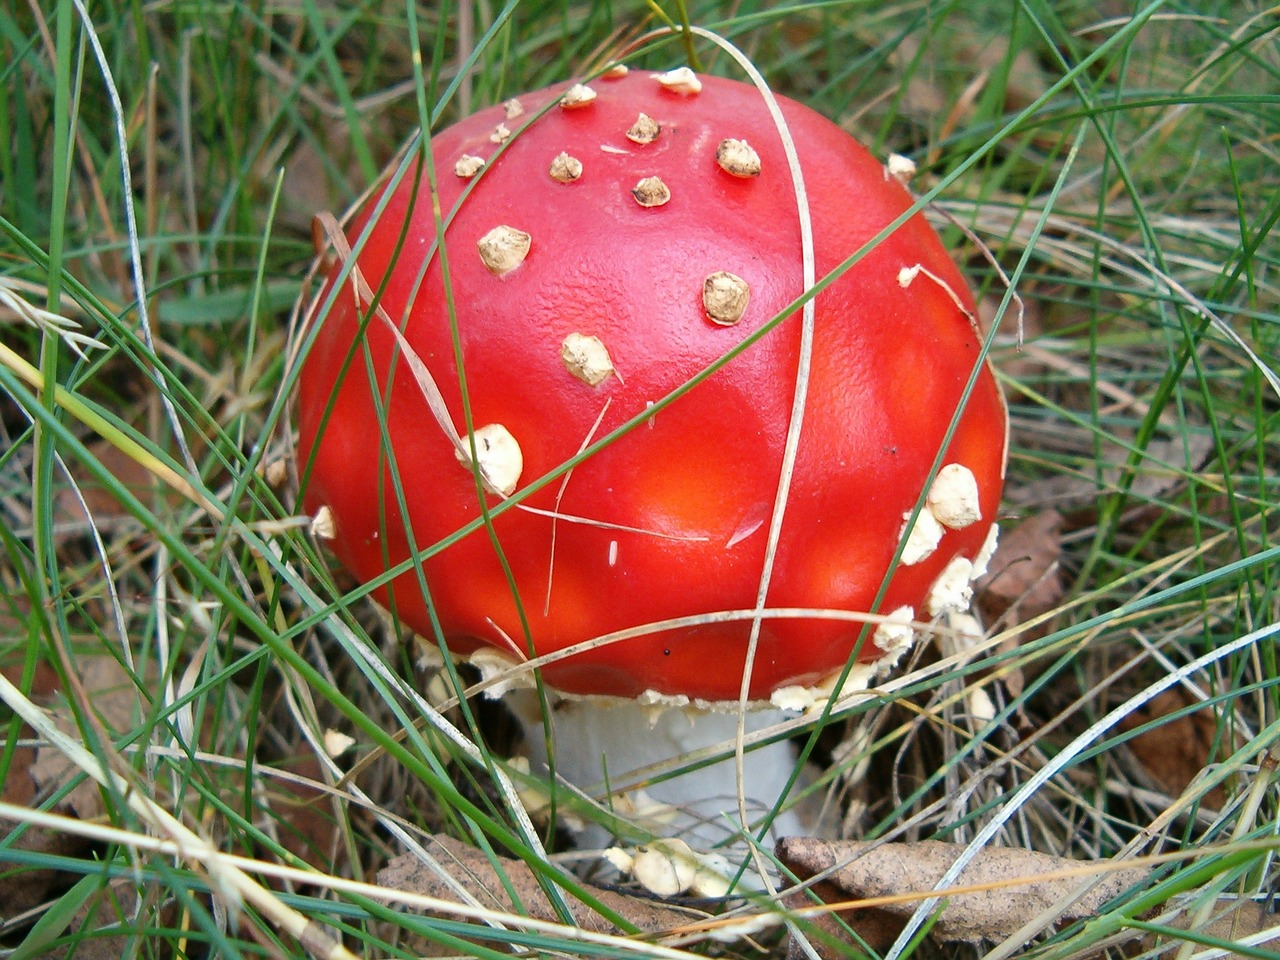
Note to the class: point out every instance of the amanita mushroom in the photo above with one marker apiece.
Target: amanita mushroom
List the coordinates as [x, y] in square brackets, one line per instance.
[582, 300]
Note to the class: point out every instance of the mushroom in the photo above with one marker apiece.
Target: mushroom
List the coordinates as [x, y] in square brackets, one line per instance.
[669, 521]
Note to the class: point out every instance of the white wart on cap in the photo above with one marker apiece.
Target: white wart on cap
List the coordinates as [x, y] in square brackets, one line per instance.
[503, 249]
[953, 497]
[499, 457]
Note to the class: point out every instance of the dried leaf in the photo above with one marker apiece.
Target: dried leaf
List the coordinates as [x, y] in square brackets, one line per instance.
[115, 700]
[472, 869]
[1025, 885]
[102, 503]
[22, 890]
[1231, 919]
[1022, 581]
[311, 831]
[114, 907]
[1175, 752]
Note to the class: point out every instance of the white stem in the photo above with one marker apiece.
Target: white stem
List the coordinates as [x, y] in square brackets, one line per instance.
[604, 739]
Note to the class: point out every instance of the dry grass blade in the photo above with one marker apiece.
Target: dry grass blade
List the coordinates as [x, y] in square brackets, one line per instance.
[126, 444]
[1125, 260]
[17, 307]
[231, 883]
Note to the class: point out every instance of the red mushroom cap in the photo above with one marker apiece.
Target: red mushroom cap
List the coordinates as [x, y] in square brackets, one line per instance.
[667, 246]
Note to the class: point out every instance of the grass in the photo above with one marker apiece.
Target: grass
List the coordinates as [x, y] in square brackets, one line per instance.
[161, 164]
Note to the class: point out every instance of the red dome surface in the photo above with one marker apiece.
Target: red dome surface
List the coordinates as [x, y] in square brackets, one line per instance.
[699, 479]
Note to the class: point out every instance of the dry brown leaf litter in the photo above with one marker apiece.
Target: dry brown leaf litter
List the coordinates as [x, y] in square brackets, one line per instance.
[37, 773]
[1177, 751]
[1023, 580]
[473, 871]
[1024, 885]
[20, 892]
[1232, 919]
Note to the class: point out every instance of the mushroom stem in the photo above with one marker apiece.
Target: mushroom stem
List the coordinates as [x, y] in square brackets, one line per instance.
[626, 743]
